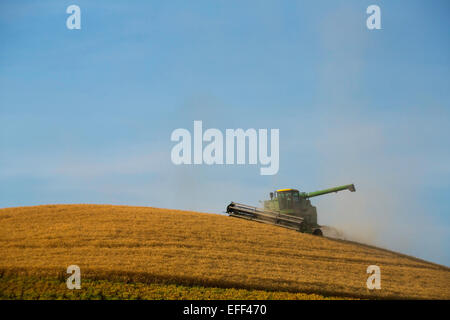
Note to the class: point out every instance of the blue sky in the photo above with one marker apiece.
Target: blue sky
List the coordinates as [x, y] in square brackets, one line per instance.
[86, 115]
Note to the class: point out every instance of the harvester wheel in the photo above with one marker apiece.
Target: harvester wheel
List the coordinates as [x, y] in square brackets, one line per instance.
[317, 232]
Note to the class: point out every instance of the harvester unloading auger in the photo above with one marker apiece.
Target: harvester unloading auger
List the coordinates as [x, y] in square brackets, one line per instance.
[287, 208]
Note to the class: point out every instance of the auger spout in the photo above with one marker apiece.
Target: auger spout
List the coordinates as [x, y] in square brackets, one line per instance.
[350, 187]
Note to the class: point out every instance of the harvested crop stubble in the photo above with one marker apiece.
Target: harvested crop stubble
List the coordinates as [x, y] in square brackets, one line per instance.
[32, 288]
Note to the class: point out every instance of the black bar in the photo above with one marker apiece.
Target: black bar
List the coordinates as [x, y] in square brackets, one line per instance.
[233, 309]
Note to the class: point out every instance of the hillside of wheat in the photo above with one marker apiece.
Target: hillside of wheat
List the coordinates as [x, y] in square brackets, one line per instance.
[146, 253]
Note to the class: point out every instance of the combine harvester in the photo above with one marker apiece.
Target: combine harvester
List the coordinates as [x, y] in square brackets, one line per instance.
[288, 208]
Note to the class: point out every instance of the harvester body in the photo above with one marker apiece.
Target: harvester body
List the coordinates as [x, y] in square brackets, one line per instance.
[288, 208]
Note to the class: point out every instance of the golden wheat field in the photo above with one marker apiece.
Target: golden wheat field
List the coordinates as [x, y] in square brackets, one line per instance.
[149, 253]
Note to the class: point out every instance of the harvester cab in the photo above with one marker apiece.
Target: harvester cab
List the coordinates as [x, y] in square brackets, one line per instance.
[290, 201]
[288, 208]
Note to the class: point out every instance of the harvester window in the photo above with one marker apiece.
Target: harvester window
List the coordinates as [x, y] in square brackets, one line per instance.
[282, 200]
[286, 200]
[289, 200]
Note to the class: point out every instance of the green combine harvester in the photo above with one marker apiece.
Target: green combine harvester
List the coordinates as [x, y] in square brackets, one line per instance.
[287, 208]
